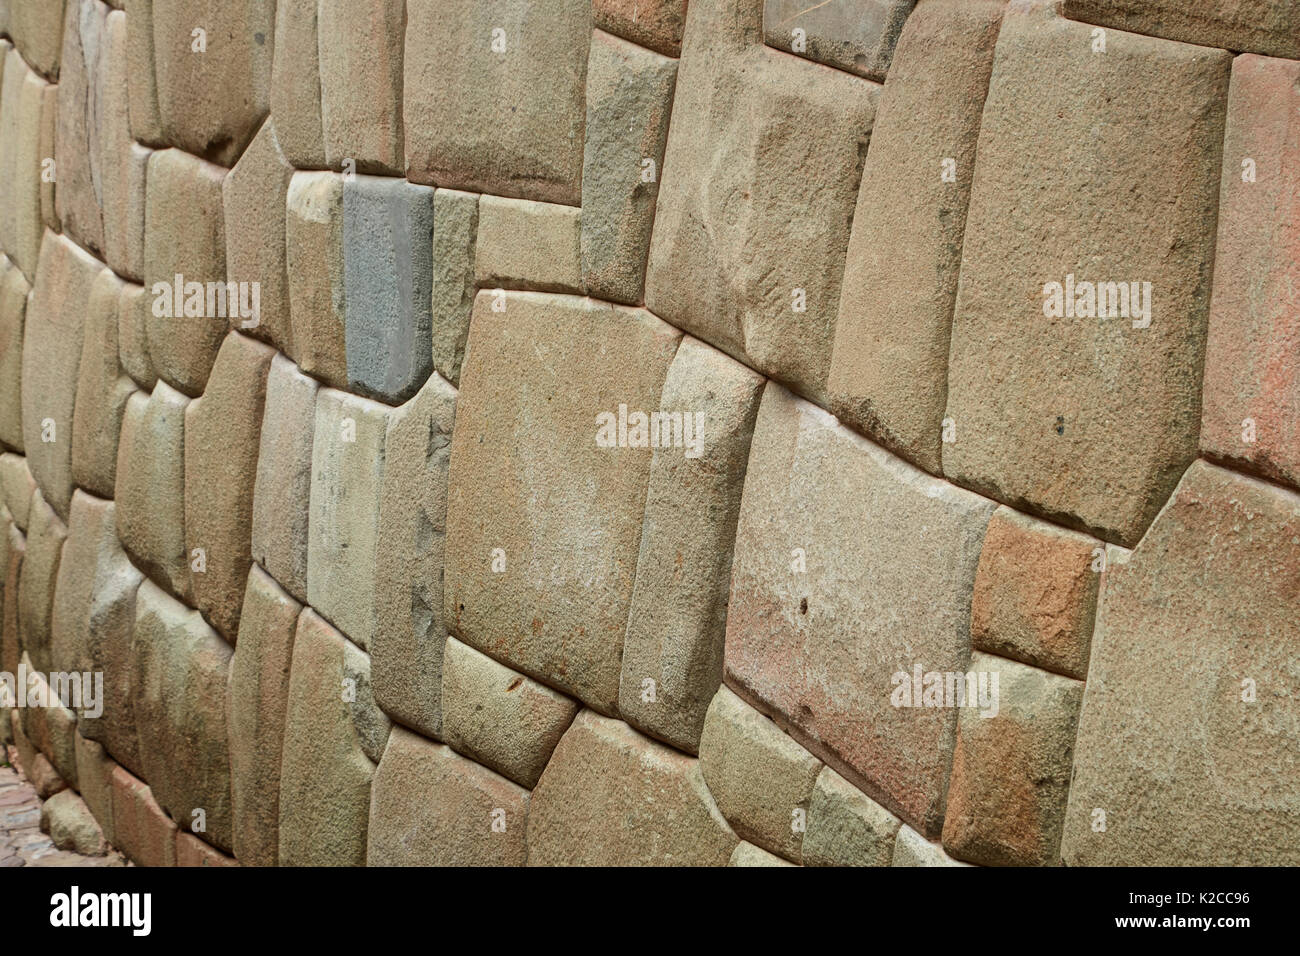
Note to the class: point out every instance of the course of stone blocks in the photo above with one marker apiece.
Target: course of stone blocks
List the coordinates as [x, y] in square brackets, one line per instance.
[666, 432]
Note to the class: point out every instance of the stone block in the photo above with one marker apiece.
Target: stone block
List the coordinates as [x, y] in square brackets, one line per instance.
[654, 24]
[11, 650]
[859, 36]
[912, 849]
[21, 163]
[80, 123]
[13, 314]
[71, 825]
[523, 244]
[455, 226]
[191, 851]
[46, 533]
[123, 162]
[141, 829]
[295, 84]
[102, 390]
[360, 61]
[36, 27]
[846, 827]
[1250, 26]
[133, 336]
[314, 256]
[142, 85]
[95, 777]
[18, 485]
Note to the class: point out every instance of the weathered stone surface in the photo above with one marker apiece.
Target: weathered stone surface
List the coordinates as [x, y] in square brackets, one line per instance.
[13, 313]
[912, 849]
[211, 99]
[123, 163]
[889, 368]
[253, 199]
[95, 777]
[179, 676]
[629, 99]
[1252, 26]
[36, 27]
[746, 854]
[133, 336]
[191, 851]
[46, 533]
[1036, 593]
[1251, 411]
[1011, 768]
[611, 797]
[499, 718]
[507, 123]
[859, 36]
[282, 491]
[151, 486]
[852, 571]
[71, 825]
[761, 174]
[1053, 414]
[409, 634]
[360, 55]
[52, 344]
[845, 827]
[388, 284]
[762, 779]
[677, 623]
[142, 86]
[21, 120]
[343, 529]
[431, 807]
[532, 492]
[295, 84]
[528, 245]
[52, 726]
[455, 226]
[184, 237]
[49, 118]
[257, 700]
[140, 828]
[102, 390]
[222, 434]
[656, 24]
[78, 124]
[325, 775]
[18, 486]
[314, 253]
[1197, 764]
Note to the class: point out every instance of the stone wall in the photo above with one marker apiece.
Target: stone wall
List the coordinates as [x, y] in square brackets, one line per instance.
[633, 432]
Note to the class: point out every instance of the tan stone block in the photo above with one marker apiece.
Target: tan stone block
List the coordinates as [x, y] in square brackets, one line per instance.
[528, 245]
[295, 84]
[846, 827]
[656, 24]
[314, 257]
[140, 828]
[13, 314]
[360, 55]
[133, 336]
[102, 390]
[46, 533]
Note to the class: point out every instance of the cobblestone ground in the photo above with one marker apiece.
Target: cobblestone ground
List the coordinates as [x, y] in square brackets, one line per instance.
[21, 841]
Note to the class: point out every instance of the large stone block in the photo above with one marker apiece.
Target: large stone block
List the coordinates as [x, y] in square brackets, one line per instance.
[543, 523]
[13, 315]
[22, 107]
[858, 36]
[677, 623]
[431, 807]
[36, 27]
[180, 670]
[52, 726]
[1251, 411]
[912, 849]
[11, 649]
[656, 24]
[1187, 737]
[282, 490]
[314, 256]
[493, 96]
[94, 775]
[523, 244]
[409, 634]
[889, 368]
[845, 827]
[611, 797]
[455, 227]
[360, 55]
[1052, 408]
[102, 390]
[295, 84]
[629, 99]
[18, 486]
[141, 829]
[191, 851]
[79, 123]
[46, 533]
[1252, 26]
[133, 336]
[123, 163]
[852, 573]
[142, 85]
[761, 175]
[257, 700]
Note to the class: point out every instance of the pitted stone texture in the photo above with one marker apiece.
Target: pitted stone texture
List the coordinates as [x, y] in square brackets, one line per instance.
[523, 244]
[888, 557]
[360, 54]
[52, 343]
[506, 123]
[46, 533]
[71, 825]
[629, 99]
[1252, 26]
[80, 122]
[760, 179]
[1053, 415]
[102, 390]
[36, 27]
[13, 314]
[499, 718]
[257, 700]
[123, 162]
[1250, 358]
[314, 254]
[22, 107]
[611, 797]
[94, 618]
[1036, 593]
[858, 36]
[253, 198]
[409, 634]
[140, 827]
[762, 780]
[531, 490]
[142, 86]
[1185, 769]
[18, 487]
[191, 851]
[845, 827]
[151, 486]
[179, 676]
[912, 849]
[343, 528]
[746, 854]
[211, 101]
[677, 624]
[889, 368]
[133, 336]
[282, 491]
[95, 777]
[295, 84]
[431, 807]
[325, 775]
[654, 24]
[1011, 768]
[184, 236]
[222, 433]
[388, 284]
[455, 228]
